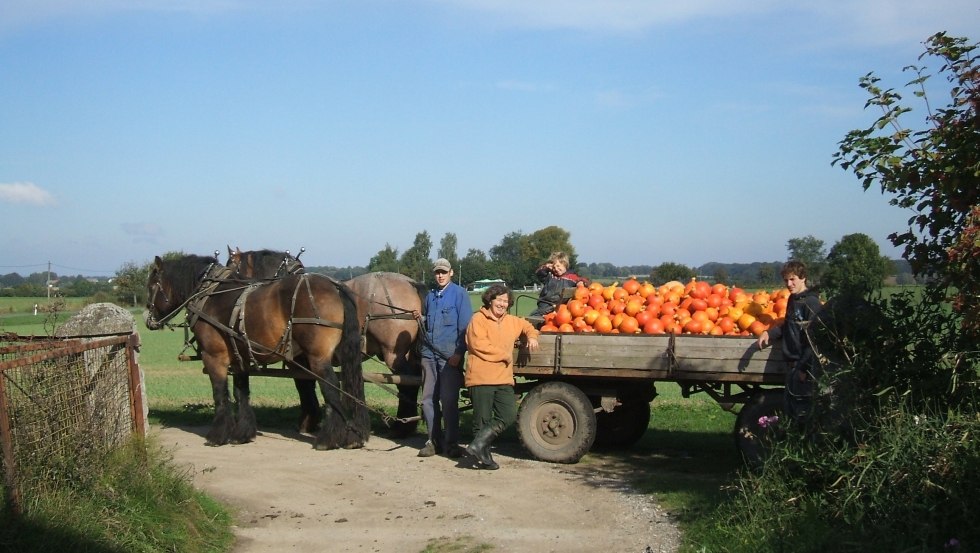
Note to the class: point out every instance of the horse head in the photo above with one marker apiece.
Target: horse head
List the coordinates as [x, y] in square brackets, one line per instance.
[263, 264]
[170, 284]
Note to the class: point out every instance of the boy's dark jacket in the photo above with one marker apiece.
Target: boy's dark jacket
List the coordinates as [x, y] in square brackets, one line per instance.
[552, 288]
[801, 309]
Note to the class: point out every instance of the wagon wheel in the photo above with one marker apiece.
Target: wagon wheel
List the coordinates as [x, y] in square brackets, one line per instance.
[753, 439]
[556, 422]
[624, 426]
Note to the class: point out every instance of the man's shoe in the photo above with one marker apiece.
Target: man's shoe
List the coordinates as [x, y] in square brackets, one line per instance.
[454, 452]
[428, 451]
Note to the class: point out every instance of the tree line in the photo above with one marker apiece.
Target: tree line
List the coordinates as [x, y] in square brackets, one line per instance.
[854, 260]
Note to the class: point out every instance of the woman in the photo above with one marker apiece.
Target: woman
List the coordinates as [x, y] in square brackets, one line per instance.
[490, 339]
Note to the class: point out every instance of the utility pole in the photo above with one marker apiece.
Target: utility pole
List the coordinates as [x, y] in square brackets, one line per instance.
[47, 281]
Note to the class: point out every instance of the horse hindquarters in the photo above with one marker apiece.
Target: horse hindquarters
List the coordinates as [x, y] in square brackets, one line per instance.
[346, 423]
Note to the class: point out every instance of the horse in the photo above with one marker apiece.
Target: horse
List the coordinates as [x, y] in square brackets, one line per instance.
[263, 264]
[308, 321]
[385, 306]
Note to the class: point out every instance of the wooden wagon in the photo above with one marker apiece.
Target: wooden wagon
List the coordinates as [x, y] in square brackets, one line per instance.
[583, 389]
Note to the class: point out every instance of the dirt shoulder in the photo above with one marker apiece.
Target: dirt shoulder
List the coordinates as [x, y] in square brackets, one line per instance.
[383, 498]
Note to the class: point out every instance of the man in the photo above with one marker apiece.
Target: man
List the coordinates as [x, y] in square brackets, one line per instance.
[448, 312]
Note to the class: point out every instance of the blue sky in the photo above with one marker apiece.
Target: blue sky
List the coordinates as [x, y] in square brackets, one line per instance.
[652, 131]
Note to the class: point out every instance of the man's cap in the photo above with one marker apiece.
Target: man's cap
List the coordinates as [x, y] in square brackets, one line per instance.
[442, 264]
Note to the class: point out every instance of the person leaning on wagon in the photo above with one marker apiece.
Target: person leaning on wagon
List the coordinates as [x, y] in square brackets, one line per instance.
[555, 277]
[448, 311]
[801, 309]
[490, 339]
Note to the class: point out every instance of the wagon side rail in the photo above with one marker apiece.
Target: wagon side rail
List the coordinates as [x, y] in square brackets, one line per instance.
[686, 359]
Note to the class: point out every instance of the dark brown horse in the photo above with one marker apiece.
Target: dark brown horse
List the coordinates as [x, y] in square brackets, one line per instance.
[306, 320]
[385, 303]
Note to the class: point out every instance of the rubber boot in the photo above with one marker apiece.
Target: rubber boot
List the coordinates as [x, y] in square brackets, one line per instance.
[480, 448]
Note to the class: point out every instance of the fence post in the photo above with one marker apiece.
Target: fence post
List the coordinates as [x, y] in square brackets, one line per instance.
[136, 392]
[10, 471]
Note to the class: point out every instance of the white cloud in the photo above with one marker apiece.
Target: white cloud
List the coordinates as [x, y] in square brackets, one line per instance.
[25, 193]
[876, 22]
[605, 15]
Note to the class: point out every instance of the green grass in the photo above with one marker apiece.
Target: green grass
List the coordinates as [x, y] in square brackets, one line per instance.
[685, 459]
[108, 510]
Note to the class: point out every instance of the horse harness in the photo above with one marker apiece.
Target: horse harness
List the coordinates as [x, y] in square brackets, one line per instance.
[235, 328]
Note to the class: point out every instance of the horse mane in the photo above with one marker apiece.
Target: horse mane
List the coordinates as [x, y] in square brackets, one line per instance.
[266, 263]
[186, 272]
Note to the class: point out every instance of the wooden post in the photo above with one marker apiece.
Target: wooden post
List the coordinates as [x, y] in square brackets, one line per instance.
[10, 470]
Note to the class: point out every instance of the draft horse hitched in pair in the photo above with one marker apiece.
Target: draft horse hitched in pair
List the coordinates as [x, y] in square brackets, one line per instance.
[385, 303]
[309, 321]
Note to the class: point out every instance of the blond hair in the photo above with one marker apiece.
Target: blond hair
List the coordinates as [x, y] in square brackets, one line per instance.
[559, 256]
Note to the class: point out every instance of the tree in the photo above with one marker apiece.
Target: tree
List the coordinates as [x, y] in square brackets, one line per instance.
[385, 260]
[721, 275]
[130, 283]
[415, 262]
[544, 241]
[767, 274]
[855, 267]
[447, 248]
[514, 260]
[475, 266]
[668, 271]
[934, 171]
[809, 250]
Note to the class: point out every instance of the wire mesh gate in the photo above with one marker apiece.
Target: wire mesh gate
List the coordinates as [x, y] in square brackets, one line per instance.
[62, 401]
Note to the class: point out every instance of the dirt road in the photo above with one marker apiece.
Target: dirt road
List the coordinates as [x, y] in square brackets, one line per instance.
[383, 498]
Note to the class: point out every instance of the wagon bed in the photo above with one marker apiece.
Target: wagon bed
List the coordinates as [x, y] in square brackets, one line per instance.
[584, 388]
[653, 357]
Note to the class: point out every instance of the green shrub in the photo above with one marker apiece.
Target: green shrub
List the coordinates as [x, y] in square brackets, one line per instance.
[888, 459]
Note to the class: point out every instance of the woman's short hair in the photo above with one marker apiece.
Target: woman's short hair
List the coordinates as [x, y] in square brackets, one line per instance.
[495, 290]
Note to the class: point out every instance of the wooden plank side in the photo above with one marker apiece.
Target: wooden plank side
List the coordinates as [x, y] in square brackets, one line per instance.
[737, 356]
[588, 352]
[660, 357]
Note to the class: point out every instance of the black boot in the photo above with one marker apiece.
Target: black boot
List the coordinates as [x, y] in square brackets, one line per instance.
[480, 448]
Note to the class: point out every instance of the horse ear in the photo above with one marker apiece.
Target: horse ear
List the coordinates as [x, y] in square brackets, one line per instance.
[229, 251]
[158, 262]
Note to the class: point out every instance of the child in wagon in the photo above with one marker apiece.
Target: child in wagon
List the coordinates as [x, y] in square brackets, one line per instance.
[555, 277]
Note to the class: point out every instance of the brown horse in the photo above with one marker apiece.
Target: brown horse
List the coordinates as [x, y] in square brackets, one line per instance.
[304, 320]
[385, 303]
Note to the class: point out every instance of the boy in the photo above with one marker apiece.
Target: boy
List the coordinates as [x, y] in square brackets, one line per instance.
[801, 310]
[555, 277]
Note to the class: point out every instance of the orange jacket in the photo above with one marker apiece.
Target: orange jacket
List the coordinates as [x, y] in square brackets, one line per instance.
[491, 346]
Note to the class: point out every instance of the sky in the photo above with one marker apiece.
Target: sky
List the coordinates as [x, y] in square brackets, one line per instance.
[652, 131]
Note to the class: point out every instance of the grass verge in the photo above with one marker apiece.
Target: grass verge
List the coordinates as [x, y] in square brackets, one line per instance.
[139, 502]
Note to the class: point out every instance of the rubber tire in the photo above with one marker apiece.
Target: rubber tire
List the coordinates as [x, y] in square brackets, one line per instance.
[556, 422]
[624, 426]
[751, 439]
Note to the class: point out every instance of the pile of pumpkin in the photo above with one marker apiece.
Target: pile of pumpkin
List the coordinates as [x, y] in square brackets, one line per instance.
[674, 307]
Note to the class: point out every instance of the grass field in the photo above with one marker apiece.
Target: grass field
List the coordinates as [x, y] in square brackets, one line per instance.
[685, 458]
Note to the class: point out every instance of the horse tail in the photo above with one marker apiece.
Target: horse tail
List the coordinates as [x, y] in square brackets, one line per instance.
[350, 363]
